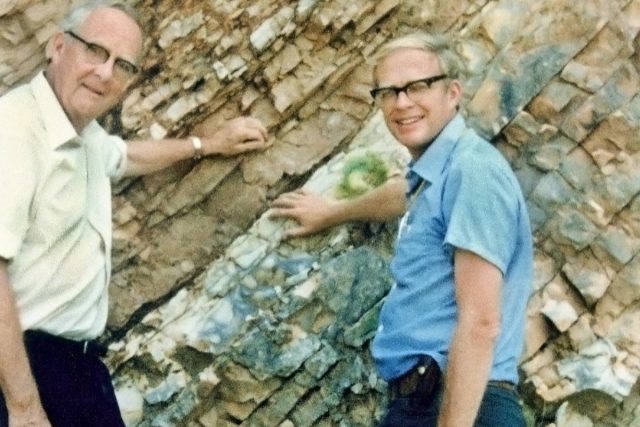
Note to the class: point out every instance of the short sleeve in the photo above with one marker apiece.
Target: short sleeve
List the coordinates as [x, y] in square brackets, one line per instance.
[109, 150]
[480, 206]
[115, 157]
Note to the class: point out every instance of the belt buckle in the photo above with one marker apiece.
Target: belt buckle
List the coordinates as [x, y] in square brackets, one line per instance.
[414, 380]
[85, 346]
[421, 382]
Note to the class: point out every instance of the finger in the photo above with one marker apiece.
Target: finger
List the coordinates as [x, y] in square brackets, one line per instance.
[260, 128]
[289, 198]
[254, 134]
[283, 212]
[295, 194]
[282, 202]
[294, 232]
[264, 143]
[263, 130]
[292, 199]
[276, 211]
[257, 124]
[243, 147]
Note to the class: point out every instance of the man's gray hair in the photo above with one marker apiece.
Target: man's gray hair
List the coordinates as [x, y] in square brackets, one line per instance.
[440, 45]
[77, 15]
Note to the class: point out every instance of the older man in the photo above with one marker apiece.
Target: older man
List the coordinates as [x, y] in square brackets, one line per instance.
[451, 329]
[56, 164]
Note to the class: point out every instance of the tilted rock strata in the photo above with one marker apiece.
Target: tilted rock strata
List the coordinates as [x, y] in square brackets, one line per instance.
[238, 329]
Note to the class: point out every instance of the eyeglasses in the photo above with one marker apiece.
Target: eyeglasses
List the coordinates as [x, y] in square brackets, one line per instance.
[414, 90]
[98, 55]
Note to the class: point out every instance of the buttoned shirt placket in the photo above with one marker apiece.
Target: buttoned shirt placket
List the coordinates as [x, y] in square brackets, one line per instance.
[416, 185]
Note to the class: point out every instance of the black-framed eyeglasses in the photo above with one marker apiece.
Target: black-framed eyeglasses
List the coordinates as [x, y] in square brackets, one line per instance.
[98, 55]
[414, 89]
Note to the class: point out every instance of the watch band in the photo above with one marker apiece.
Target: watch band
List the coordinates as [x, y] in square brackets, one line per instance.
[197, 147]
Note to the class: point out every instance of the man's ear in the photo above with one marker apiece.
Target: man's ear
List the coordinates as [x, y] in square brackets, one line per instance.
[54, 46]
[455, 92]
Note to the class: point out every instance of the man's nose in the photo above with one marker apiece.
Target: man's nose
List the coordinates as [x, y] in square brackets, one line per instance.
[105, 70]
[402, 99]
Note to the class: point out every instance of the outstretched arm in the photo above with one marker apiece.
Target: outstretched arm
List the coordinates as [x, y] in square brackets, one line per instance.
[16, 381]
[237, 136]
[315, 213]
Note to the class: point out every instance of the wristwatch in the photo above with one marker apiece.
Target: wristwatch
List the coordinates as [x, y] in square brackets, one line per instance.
[197, 147]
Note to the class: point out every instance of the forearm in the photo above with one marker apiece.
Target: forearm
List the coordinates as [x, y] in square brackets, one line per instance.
[380, 204]
[147, 156]
[468, 368]
[236, 136]
[16, 381]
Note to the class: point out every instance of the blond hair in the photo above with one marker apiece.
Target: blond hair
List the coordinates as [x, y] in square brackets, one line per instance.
[440, 45]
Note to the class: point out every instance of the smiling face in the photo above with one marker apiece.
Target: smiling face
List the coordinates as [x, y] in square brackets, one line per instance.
[415, 122]
[85, 90]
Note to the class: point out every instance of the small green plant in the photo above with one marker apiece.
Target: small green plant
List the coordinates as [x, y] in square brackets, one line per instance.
[361, 174]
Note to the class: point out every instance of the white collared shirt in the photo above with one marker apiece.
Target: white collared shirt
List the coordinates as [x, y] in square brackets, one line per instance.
[55, 212]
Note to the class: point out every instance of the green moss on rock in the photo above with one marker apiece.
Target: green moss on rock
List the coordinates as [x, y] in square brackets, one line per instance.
[361, 174]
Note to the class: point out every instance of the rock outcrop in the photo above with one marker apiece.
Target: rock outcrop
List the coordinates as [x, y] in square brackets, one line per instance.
[217, 322]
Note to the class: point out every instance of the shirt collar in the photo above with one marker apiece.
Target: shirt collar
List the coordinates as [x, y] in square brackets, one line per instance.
[433, 161]
[58, 127]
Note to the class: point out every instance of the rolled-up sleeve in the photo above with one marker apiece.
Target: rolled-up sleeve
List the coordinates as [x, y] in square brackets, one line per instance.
[115, 157]
[109, 152]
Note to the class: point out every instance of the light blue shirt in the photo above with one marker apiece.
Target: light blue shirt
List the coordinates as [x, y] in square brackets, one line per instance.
[471, 200]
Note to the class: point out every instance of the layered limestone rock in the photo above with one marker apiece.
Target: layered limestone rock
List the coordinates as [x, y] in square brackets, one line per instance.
[216, 322]
[278, 328]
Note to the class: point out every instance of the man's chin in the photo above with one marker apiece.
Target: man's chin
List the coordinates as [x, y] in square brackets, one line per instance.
[95, 110]
[413, 141]
[87, 116]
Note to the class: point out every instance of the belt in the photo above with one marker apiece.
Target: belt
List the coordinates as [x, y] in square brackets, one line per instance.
[43, 339]
[507, 385]
[422, 381]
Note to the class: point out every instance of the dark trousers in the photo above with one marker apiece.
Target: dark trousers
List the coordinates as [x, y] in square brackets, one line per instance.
[499, 408]
[74, 385]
